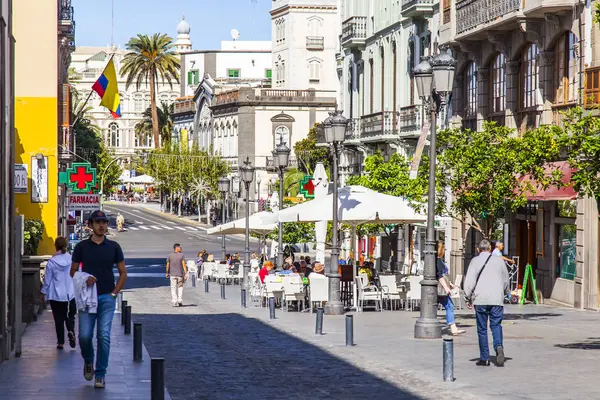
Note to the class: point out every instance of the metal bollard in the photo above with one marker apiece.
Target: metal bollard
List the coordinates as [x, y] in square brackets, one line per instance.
[243, 298]
[193, 280]
[157, 379]
[319, 327]
[349, 330]
[271, 307]
[448, 354]
[137, 342]
[118, 305]
[123, 305]
[206, 285]
[223, 290]
[128, 320]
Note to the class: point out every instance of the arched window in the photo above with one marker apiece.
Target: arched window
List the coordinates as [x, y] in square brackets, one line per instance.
[282, 134]
[314, 71]
[114, 135]
[498, 81]
[565, 71]
[529, 77]
[471, 90]
[138, 104]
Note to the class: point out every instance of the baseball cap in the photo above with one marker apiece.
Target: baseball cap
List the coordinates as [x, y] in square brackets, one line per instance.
[98, 215]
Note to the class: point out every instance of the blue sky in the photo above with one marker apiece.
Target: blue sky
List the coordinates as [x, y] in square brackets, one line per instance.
[211, 20]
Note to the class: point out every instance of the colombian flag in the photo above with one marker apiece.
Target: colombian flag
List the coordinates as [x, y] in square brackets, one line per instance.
[107, 89]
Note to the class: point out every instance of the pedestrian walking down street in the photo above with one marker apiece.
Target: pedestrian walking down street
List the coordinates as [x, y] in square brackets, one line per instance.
[486, 285]
[97, 256]
[58, 289]
[176, 272]
[445, 290]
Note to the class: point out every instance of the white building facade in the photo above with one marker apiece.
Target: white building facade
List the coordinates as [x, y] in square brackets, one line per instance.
[119, 134]
[305, 40]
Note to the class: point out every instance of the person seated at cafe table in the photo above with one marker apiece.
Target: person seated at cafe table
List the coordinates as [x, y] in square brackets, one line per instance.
[265, 270]
[318, 268]
[285, 269]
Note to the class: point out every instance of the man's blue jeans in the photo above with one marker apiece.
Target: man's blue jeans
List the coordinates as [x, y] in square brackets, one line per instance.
[448, 304]
[87, 321]
[494, 313]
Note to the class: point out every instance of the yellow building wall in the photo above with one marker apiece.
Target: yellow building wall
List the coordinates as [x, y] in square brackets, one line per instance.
[36, 106]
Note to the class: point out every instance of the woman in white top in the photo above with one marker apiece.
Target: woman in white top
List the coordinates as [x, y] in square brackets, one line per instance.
[58, 289]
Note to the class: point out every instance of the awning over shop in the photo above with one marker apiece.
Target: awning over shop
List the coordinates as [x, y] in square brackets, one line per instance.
[553, 193]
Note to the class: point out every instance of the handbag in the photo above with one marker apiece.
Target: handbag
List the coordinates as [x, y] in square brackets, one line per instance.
[468, 298]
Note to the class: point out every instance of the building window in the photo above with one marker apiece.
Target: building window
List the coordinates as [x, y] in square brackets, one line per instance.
[314, 27]
[529, 77]
[233, 73]
[566, 267]
[498, 75]
[138, 104]
[566, 69]
[193, 77]
[282, 134]
[314, 71]
[471, 90]
[114, 135]
[280, 31]
[268, 73]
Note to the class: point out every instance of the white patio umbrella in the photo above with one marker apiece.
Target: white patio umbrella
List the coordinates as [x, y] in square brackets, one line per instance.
[257, 222]
[356, 205]
[142, 179]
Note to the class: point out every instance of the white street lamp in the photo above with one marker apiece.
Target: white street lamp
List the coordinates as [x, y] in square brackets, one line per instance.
[223, 184]
[247, 174]
[281, 159]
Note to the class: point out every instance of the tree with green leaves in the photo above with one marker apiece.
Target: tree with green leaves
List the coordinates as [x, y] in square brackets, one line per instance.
[484, 171]
[165, 122]
[150, 59]
[308, 154]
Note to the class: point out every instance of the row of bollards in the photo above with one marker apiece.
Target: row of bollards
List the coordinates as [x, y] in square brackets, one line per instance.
[157, 365]
[223, 290]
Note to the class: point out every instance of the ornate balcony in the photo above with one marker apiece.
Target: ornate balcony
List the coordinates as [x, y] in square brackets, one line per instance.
[417, 8]
[353, 131]
[472, 13]
[354, 32]
[409, 121]
[66, 22]
[379, 126]
[315, 42]
[185, 105]
[591, 93]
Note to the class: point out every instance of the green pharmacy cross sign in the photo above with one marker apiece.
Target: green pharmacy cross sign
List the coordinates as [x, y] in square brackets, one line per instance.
[81, 177]
[307, 188]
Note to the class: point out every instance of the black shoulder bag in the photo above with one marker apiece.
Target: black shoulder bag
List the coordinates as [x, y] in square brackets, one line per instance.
[468, 298]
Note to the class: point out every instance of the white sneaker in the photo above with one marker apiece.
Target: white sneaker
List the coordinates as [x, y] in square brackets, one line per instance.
[99, 384]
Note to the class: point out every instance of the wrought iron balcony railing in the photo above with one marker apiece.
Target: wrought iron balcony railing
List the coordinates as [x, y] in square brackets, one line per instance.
[354, 32]
[380, 125]
[412, 8]
[472, 13]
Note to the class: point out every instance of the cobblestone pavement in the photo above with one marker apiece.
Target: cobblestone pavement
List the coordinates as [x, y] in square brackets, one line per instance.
[44, 373]
[214, 350]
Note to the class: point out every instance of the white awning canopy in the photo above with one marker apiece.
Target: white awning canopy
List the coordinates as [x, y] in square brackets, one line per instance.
[257, 225]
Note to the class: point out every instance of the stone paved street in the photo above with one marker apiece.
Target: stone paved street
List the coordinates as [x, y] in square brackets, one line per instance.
[44, 373]
[213, 350]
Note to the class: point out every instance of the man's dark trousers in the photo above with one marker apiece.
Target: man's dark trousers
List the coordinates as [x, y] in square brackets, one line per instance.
[494, 314]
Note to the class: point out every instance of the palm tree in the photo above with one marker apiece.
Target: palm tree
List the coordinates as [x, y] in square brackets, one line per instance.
[165, 122]
[151, 58]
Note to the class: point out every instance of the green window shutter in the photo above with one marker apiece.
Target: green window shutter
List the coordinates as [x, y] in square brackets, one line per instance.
[196, 76]
[190, 78]
[268, 73]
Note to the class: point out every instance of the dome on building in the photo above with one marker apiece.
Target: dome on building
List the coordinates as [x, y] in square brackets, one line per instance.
[183, 28]
[183, 42]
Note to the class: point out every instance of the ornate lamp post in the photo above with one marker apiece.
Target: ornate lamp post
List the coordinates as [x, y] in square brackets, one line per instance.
[258, 197]
[247, 174]
[223, 184]
[281, 159]
[434, 79]
[335, 132]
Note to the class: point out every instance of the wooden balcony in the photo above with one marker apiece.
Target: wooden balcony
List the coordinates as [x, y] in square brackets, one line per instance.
[591, 93]
[183, 106]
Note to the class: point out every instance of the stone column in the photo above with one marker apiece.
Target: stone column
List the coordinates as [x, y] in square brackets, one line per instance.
[512, 93]
[545, 62]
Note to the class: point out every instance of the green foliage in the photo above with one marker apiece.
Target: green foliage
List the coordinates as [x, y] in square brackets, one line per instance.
[309, 154]
[149, 59]
[580, 138]
[481, 170]
[295, 232]
[108, 170]
[178, 169]
[33, 231]
[596, 13]
[165, 122]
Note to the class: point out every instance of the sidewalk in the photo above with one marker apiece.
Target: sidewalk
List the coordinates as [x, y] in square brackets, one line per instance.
[43, 372]
[550, 350]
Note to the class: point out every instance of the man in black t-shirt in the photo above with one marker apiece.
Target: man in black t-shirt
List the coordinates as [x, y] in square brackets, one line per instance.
[97, 256]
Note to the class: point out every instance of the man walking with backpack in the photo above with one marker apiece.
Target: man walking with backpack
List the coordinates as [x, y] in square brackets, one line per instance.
[486, 286]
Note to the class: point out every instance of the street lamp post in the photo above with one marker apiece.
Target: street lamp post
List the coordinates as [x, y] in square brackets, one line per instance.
[258, 197]
[223, 185]
[335, 132]
[247, 174]
[434, 79]
[281, 158]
